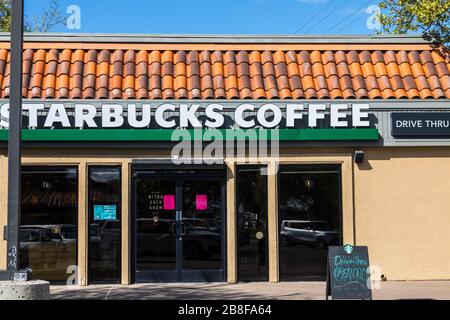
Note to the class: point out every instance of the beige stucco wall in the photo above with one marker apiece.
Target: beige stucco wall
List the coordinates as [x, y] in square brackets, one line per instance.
[400, 202]
[403, 211]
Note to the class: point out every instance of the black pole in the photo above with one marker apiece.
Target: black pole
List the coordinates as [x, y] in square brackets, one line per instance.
[14, 142]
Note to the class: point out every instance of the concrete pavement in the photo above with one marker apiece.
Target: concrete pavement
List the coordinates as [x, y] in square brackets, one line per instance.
[243, 291]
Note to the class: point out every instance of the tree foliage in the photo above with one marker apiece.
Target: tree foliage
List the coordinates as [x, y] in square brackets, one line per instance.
[430, 17]
[5, 15]
[48, 19]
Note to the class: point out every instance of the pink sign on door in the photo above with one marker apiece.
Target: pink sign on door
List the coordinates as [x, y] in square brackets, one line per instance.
[168, 202]
[201, 202]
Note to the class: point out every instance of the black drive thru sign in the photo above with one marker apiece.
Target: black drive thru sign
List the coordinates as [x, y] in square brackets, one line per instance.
[421, 124]
[348, 275]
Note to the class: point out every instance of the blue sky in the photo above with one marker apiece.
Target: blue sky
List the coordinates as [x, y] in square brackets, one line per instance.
[217, 17]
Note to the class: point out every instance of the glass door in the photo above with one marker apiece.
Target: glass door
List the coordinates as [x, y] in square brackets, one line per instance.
[202, 229]
[178, 226]
[156, 229]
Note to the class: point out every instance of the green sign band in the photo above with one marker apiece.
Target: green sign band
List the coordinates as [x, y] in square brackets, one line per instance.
[195, 134]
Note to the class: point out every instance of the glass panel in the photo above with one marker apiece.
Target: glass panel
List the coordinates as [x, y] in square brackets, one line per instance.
[48, 233]
[104, 224]
[252, 224]
[202, 239]
[309, 215]
[156, 224]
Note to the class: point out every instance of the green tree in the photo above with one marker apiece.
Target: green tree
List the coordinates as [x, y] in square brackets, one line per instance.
[430, 17]
[48, 19]
[5, 15]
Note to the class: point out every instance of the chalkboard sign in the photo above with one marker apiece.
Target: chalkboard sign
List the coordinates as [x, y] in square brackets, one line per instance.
[348, 275]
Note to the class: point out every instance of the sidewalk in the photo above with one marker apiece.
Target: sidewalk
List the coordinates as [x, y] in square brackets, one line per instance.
[242, 291]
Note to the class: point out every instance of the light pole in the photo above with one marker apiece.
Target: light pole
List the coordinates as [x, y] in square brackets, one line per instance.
[14, 143]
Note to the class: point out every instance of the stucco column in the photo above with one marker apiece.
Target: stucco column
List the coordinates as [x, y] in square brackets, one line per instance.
[82, 225]
[231, 224]
[126, 272]
[348, 201]
[272, 223]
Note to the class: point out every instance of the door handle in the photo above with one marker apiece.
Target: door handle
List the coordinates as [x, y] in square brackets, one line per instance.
[183, 229]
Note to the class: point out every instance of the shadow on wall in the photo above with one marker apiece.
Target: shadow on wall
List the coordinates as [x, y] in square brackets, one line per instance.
[365, 165]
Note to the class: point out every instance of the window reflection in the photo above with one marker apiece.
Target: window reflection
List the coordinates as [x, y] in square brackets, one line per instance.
[309, 215]
[48, 221]
[155, 225]
[252, 224]
[104, 224]
[202, 225]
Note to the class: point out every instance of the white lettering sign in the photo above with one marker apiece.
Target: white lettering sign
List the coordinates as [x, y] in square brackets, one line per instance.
[193, 115]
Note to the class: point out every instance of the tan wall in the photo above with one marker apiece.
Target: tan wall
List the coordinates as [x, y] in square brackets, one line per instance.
[402, 204]
[403, 211]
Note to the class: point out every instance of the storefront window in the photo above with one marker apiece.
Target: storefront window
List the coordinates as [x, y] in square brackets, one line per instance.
[309, 218]
[104, 224]
[48, 232]
[251, 198]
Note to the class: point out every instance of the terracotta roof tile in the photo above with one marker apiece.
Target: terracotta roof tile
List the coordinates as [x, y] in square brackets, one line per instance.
[431, 75]
[305, 73]
[294, 77]
[256, 72]
[3, 64]
[51, 65]
[154, 74]
[179, 73]
[26, 69]
[217, 74]
[102, 74]
[331, 75]
[357, 75]
[6, 81]
[141, 82]
[206, 81]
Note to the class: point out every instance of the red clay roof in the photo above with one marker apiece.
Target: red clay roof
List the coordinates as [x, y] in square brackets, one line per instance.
[96, 71]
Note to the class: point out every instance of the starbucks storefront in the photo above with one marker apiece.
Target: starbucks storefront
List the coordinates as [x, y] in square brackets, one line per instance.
[233, 161]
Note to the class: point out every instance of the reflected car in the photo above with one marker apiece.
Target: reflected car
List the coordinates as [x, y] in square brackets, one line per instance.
[48, 250]
[317, 234]
[157, 238]
[53, 232]
[105, 239]
[302, 203]
[202, 238]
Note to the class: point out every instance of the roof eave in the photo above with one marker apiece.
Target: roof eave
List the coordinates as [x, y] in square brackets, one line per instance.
[217, 39]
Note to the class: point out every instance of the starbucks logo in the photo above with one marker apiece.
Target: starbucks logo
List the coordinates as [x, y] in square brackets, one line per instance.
[348, 248]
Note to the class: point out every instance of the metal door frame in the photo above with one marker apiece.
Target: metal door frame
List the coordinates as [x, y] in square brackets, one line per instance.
[178, 174]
